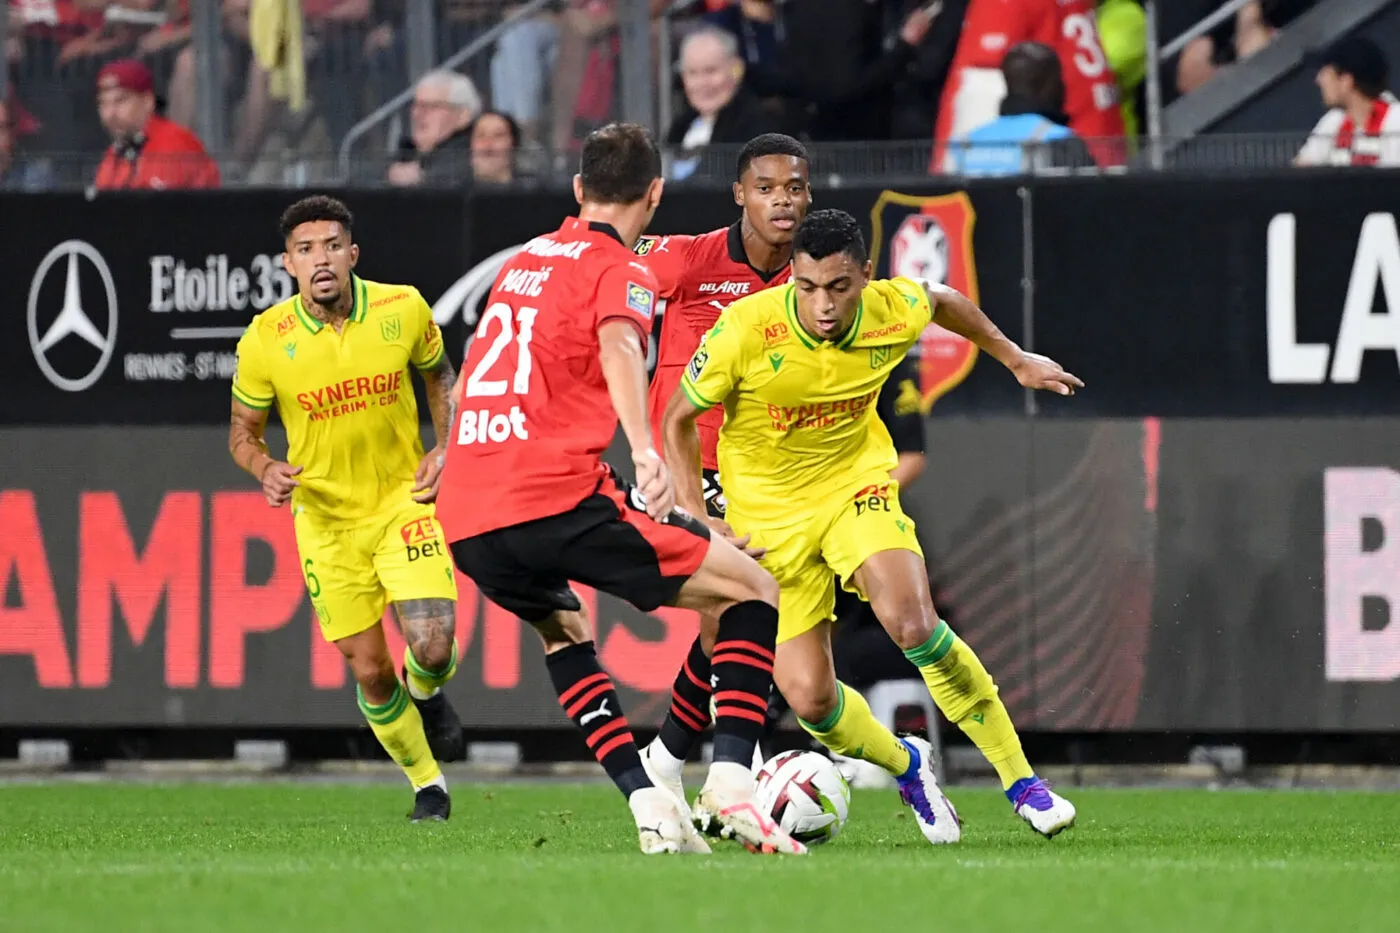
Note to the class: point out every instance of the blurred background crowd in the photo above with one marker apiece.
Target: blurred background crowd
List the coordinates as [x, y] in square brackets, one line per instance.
[107, 92]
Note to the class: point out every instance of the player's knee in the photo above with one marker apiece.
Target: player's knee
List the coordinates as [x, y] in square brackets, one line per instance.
[375, 676]
[908, 623]
[812, 695]
[759, 586]
[435, 654]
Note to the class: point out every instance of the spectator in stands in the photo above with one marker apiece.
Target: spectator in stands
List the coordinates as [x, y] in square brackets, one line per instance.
[1362, 124]
[837, 66]
[1238, 37]
[975, 85]
[147, 150]
[439, 147]
[717, 107]
[495, 140]
[753, 23]
[520, 68]
[1032, 134]
[16, 172]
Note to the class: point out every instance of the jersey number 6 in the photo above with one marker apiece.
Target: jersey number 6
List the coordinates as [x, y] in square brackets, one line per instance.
[519, 324]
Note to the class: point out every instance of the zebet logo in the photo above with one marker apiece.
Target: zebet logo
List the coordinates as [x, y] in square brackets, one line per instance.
[482, 427]
[1376, 267]
[420, 539]
[873, 499]
[72, 316]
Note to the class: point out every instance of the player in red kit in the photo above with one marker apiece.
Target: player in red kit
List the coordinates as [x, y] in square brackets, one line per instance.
[528, 504]
[975, 86]
[699, 276]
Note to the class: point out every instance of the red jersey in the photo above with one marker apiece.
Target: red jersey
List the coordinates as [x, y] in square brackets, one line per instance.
[991, 27]
[170, 157]
[533, 411]
[699, 276]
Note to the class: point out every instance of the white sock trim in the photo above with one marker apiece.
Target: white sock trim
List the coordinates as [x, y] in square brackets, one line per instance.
[419, 694]
[663, 761]
[438, 782]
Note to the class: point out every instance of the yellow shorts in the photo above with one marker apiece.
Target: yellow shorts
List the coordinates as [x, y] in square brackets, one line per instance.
[353, 571]
[825, 540]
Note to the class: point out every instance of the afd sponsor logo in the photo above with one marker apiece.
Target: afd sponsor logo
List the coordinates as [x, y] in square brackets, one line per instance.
[1368, 316]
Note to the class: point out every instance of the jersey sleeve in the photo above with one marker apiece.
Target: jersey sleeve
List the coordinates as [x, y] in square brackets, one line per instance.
[717, 366]
[900, 407]
[428, 349]
[627, 292]
[666, 256]
[914, 306]
[252, 385]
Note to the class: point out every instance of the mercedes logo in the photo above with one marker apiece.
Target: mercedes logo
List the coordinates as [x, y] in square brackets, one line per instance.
[73, 319]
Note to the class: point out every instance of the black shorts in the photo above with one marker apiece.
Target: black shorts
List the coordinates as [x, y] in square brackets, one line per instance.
[715, 503]
[606, 542]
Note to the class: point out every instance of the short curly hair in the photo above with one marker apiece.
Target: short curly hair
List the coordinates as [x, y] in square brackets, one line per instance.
[314, 208]
[827, 232]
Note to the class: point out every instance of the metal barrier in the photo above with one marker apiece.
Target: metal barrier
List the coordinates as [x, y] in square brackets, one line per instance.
[834, 165]
[397, 102]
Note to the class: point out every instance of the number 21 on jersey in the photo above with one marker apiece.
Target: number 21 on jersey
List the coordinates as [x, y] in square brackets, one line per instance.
[501, 324]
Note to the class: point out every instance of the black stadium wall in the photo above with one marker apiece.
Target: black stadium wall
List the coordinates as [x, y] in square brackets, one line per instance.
[1203, 539]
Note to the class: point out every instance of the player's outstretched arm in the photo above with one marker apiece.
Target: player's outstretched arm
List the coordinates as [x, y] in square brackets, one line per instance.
[624, 368]
[954, 311]
[249, 451]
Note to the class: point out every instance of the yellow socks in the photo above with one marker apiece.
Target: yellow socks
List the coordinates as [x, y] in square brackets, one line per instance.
[423, 683]
[399, 728]
[852, 730]
[964, 691]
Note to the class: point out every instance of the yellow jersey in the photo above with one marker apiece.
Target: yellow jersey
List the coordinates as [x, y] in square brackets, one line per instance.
[346, 399]
[799, 412]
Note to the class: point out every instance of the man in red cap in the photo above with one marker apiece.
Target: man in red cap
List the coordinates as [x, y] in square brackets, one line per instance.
[147, 151]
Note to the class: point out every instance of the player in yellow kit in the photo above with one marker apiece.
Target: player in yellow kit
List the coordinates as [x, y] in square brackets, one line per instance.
[806, 467]
[335, 360]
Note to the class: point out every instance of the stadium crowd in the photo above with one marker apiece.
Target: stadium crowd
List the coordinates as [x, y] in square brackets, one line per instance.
[822, 70]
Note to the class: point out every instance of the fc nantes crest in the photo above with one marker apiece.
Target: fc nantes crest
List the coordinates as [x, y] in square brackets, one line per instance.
[930, 238]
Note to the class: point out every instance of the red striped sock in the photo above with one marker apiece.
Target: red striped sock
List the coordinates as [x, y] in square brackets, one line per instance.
[588, 697]
[742, 674]
[689, 715]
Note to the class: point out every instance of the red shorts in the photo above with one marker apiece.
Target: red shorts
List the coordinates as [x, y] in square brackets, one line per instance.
[607, 542]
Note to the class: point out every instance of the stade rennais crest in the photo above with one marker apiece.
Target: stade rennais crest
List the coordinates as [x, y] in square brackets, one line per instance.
[930, 237]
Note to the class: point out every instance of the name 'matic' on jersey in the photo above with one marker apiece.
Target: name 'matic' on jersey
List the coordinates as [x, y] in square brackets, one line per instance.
[533, 411]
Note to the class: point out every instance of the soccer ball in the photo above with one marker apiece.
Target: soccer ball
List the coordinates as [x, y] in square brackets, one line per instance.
[806, 794]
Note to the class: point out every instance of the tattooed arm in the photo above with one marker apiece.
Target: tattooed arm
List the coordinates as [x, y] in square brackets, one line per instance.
[249, 451]
[439, 381]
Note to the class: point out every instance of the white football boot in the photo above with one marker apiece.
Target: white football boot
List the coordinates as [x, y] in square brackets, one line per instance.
[661, 828]
[934, 811]
[664, 769]
[728, 798]
[1046, 811]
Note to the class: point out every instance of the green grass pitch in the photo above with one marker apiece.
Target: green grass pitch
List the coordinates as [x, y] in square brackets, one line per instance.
[309, 857]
